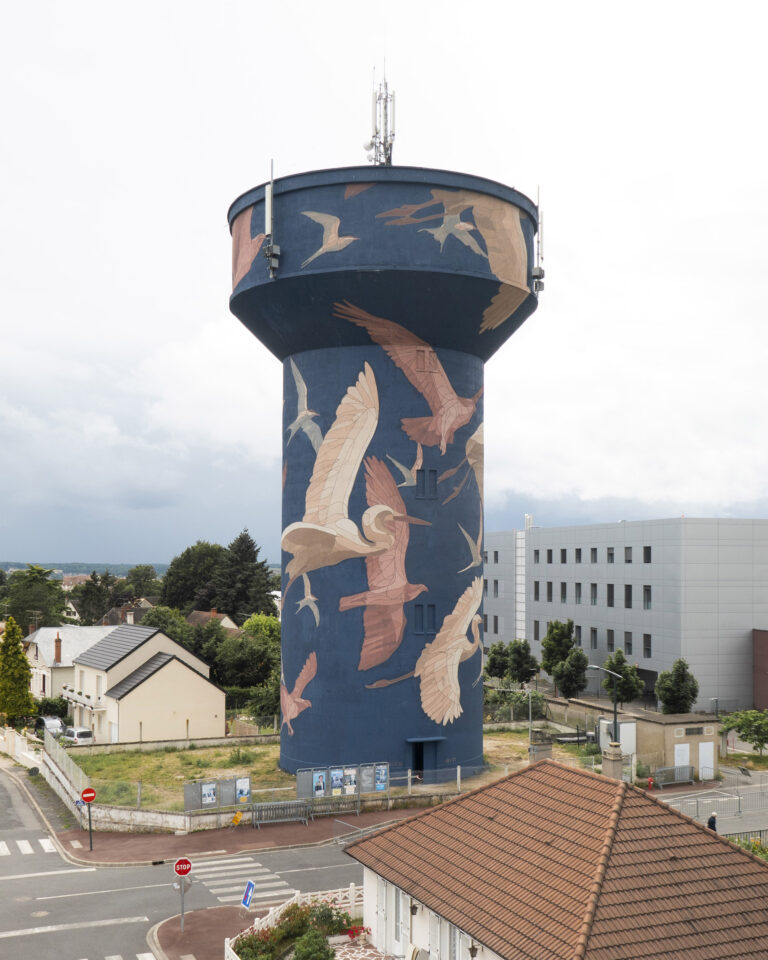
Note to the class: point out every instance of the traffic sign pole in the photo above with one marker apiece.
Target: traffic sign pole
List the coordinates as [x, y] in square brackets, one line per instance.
[88, 796]
[182, 868]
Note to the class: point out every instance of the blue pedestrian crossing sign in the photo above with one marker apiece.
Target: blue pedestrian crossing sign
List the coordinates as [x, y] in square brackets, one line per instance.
[249, 888]
[79, 803]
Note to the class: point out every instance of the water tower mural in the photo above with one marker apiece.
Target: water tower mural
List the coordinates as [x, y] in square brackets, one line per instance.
[382, 290]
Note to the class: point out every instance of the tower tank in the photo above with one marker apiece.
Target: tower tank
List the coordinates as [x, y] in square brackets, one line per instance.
[391, 288]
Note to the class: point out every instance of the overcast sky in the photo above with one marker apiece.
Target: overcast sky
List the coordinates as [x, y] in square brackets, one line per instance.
[137, 415]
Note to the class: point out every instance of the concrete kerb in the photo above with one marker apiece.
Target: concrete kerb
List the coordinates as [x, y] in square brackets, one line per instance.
[153, 941]
[51, 832]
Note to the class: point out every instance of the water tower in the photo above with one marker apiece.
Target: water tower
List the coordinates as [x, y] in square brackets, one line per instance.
[382, 290]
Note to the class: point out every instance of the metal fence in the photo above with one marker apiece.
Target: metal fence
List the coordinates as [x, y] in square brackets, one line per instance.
[725, 802]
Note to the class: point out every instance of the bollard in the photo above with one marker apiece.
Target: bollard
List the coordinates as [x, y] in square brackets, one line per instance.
[458, 778]
[410, 784]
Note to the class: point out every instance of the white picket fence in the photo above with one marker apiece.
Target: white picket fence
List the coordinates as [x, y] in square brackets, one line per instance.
[346, 898]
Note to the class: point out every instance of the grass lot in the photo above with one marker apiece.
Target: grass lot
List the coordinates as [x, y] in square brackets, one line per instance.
[162, 773]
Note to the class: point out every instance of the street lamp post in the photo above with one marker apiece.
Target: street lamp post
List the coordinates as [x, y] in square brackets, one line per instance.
[616, 676]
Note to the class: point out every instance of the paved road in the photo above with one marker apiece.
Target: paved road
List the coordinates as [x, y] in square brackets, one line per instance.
[51, 909]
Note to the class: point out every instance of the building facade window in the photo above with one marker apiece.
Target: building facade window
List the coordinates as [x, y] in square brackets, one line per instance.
[609, 594]
[535, 556]
[627, 554]
[646, 554]
[628, 596]
[495, 624]
[577, 635]
[549, 556]
[609, 640]
[628, 643]
[593, 594]
[535, 589]
[609, 554]
[485, 622]
[647, 600]
[536, 631]
[563, 555]
[577, 555]
[549, 591]
[485, 556]
[495, 589]
[495, 556]
[577, 593]
[485, 588]
[647, 646]
[593, 638]
[563, 593]
[593, 554]
[426, 484]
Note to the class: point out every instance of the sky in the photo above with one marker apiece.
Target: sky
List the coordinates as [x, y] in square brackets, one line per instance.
[137, 415]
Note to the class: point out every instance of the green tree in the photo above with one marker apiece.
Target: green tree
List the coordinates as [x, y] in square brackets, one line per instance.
[570, 674]
[141, 581]
[677, 689]
[94, 597]
[35, 599]
[242, 582]
[556, 646]
[630, 685]
[497, 661]
[253, 658]
[751, 726]
[522, 664]
[16, 701]
[172, 623]
[188, 581]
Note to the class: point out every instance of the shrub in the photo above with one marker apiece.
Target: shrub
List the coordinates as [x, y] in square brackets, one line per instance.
[239, 757]
[313, 946]
[295, 921]
[329, 919]
[263, 945]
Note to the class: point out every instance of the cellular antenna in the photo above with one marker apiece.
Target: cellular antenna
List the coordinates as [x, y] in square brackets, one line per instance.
[379, 147]
[538, 271]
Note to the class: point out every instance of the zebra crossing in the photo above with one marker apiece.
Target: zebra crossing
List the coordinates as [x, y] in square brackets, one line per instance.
[26, 847]
[139, 956]
[226, 880]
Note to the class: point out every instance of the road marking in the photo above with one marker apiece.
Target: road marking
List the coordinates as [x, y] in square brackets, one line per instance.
[114, 956]
[185, 956]
[76, 844]
[47, 845]
[91, 893]
[49, 873]
[261, 882]
[57, 928]
[265, 893]
[151, 956]
[25, 847]
[332, 866]
[205, 863]
[210, 875]
[4, 851]
[256, 893]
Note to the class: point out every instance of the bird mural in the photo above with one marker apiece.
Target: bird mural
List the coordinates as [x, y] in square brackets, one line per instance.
[497, 222]
[475, 546]
[304, 416]
[409, 473]
[420, 364]
[473, 450]
[331, 242]
[245, 248]
[453, 226]
[293, 703]
[326, 535]
[388, 587]
[437, 668]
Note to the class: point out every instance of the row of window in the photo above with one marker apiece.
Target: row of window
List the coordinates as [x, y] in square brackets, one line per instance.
[495, 589]
[495, 556]
[610, 555]
[610, 639]
[495, 623]
[577, 593]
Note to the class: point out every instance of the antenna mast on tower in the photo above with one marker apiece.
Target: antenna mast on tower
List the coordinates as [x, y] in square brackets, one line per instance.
[379, 147]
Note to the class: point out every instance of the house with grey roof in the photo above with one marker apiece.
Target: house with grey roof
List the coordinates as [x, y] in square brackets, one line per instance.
[138, 685]
[51, 652]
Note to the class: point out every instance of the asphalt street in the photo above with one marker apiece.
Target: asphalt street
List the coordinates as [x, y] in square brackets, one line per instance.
[51, 909]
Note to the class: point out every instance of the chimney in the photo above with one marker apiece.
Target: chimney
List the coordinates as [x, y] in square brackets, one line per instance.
[612, 761]
[214, 611]
[31, 630]
[129, 616]
[57, 648]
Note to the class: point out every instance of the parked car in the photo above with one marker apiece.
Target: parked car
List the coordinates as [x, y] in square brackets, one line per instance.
[53, 725]
[77, 735]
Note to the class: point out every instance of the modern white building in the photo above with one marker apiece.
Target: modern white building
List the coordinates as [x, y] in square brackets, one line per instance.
[657, 589]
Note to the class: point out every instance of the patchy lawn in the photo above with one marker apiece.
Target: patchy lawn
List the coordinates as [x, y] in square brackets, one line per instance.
[162, 773]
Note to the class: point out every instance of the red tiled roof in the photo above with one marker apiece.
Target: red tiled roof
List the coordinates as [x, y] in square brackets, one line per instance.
[555, 863]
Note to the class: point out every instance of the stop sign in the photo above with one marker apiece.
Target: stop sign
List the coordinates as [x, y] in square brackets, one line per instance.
[88, 795]
[182, 867]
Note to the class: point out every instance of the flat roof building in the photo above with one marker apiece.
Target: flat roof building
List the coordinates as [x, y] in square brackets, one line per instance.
[656, 589]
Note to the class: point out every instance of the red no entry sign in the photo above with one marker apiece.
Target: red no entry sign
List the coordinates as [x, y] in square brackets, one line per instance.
[88, 795]
[182, 867]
